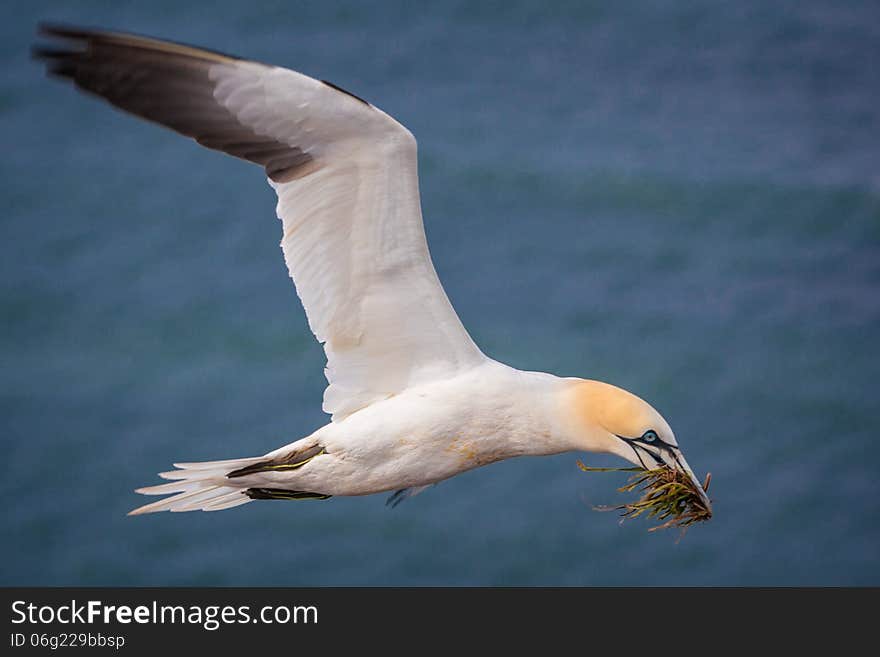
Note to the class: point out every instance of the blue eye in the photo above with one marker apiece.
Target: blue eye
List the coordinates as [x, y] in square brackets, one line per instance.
[650, 436]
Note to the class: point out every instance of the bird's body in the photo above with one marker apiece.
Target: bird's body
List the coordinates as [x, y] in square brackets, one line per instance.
[412, 399]
[409, 441]
[430, 433]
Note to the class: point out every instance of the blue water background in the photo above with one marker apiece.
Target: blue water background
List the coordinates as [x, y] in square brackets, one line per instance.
[681, 198]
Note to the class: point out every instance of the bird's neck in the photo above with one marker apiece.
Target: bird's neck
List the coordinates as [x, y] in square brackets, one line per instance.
[548, 415]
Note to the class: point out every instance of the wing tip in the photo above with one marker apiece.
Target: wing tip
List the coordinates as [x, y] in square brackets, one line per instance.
[64, 30]
[86, 35]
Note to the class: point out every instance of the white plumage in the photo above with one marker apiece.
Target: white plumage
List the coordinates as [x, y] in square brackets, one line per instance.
[413, 400]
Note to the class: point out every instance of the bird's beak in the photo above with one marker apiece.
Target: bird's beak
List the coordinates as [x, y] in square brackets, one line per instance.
[681, 465]
[669, 457]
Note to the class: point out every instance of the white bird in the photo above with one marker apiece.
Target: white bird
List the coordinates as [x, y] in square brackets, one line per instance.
[413, 400]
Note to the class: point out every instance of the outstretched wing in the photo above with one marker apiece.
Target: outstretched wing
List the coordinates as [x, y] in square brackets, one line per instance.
[347, 183]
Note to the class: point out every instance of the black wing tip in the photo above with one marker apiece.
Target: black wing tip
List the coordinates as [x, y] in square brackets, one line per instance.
[48, 53]
[65, 30]
[58, 57]
[76, 33]
[84, 35]
[60, 63]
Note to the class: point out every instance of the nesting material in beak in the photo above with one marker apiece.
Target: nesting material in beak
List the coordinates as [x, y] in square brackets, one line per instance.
[668, 495]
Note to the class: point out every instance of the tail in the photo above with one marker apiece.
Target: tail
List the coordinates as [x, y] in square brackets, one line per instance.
[216, 485]
[199, 487]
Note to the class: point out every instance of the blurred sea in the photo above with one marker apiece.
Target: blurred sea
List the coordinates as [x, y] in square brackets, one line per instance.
[681, 198]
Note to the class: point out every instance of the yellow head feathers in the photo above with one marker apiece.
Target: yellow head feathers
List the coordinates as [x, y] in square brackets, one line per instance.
[601, 411]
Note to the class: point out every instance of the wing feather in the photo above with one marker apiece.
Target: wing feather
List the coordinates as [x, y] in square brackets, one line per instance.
[346, 178]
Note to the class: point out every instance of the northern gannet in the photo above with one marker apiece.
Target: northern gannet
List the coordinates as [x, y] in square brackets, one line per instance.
[412, 399]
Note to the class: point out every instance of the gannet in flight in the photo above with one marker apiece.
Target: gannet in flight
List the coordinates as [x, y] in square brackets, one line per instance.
[412, 399]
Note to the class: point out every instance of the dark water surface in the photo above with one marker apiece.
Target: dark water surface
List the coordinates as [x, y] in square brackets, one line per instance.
[679, 198]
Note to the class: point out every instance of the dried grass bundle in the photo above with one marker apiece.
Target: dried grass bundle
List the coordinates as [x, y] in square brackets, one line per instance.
[667, 495]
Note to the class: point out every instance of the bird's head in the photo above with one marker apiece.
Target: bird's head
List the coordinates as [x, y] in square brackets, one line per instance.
[604, 418]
